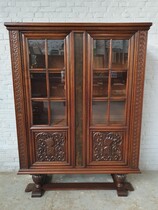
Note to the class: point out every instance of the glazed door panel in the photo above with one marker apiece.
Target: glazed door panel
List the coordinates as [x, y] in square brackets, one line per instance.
[47, 76]
[109, 94]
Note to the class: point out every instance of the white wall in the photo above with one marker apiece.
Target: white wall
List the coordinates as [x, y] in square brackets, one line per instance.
[79, 11]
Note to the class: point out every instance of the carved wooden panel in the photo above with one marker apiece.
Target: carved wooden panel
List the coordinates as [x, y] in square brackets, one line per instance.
[138, 97]
[107, 146]
[50, 146]
[19, 98]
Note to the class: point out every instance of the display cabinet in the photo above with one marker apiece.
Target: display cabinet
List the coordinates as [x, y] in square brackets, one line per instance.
[78, 97]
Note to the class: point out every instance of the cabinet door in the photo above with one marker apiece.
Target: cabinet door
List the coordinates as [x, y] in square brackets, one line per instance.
[109, 99]
[47, 90]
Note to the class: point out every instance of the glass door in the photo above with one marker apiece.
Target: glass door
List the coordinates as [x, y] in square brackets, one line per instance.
[108, 100]
[47, 76]
[109, 89]
[48, 96]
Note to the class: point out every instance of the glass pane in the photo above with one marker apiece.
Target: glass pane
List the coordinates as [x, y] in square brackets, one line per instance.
[57, 84]
[101, 53]
[119, 53]
[40, 112]
[100, 84]
[117, 111]
[36, 53]
[38, 85]
[99, 112]
[58, 116]
[118, 83]
[55, 53]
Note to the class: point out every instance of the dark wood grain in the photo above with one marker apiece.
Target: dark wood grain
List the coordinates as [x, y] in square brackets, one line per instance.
[72, 147]
[78, 68]
[79, 26]
[19, 97]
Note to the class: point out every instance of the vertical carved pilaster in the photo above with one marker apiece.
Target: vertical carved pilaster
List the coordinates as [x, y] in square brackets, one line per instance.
[138, 97]
[18, 95]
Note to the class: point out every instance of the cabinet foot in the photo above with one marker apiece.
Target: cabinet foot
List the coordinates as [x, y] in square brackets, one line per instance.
[36, 187]
[122, 186]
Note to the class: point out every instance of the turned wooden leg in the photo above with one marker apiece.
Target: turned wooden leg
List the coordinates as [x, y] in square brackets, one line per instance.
[121, 184]
[37, 189]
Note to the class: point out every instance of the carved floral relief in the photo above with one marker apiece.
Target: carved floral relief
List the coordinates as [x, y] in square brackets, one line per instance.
[107, 146]
[50, 146]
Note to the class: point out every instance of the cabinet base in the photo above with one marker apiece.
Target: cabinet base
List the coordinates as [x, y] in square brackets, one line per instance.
[42, 183]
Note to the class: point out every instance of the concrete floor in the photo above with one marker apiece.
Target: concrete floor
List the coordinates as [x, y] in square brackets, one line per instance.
[145, 196]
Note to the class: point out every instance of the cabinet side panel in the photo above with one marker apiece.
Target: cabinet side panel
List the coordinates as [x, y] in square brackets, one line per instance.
[18, 97]
[137, 98]
[78, 61]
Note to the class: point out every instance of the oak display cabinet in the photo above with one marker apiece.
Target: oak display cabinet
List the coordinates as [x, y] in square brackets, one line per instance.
[78, 91]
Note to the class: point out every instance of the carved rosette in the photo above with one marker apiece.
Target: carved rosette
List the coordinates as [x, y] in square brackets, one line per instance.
[19, 98]
[138, 97]
[50, 146]
[107, 146]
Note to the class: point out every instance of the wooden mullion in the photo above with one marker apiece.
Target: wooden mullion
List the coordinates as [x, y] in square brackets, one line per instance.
[66, 80]
[39, 99]
[57, 70]
[119, 69]
[118, 98]
[47, 81]
[125, 111]
[108, 108]
[110, 55]
[46, 61]
[90, 76]
[49, 112]
[37, 69]
[109, 82]
[57, 99]
[100, 98]
[100, 69]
